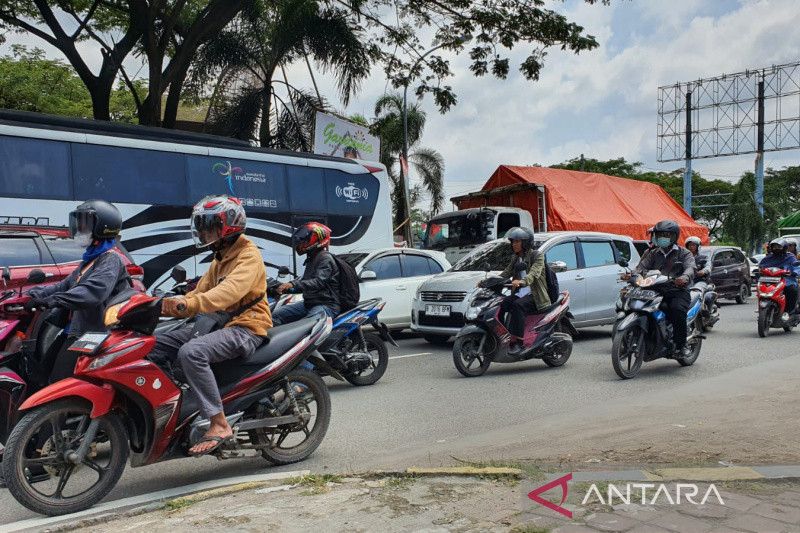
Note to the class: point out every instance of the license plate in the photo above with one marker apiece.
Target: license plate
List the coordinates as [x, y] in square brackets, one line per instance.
[437, 310]
[769, 279]
[88, 343]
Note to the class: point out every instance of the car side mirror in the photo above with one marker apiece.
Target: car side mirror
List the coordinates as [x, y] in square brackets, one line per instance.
[623, 262]
[283, 271]
[367, 275]
[558, 266]
[36, 276]
[178, 274]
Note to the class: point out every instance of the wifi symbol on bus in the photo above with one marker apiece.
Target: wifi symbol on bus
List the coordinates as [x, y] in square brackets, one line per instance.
[351, 192]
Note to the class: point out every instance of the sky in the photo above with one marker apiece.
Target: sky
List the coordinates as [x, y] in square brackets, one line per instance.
[601, 103]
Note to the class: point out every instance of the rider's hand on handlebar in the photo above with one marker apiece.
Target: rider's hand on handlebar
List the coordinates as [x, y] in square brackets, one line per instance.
[517, 283]
[681, 281]
[625, 276]
[283, 287]
[33, 303]
[175, 306]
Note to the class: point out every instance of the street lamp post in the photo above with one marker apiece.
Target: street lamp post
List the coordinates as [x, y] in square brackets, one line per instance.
[404, 178]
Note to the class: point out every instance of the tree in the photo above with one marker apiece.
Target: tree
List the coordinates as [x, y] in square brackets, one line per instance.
[263, 40]
[428, 163]
[166, 32]
[29, 82]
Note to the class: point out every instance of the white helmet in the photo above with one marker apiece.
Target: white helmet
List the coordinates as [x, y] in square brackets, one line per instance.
[693, 240]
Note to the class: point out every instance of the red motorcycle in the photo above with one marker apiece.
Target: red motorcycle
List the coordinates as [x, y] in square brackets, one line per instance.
[772, 301]
[82, 429]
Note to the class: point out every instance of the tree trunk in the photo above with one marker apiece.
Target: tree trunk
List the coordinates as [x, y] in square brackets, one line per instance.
[174, 98]
[101, 103]
[265, 131]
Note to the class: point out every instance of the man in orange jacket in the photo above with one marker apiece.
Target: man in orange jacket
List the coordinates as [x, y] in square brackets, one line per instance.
[235, 284]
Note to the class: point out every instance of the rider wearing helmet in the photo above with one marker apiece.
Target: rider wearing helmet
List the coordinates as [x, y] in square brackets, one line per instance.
[778, 256]
[700, 261]
[100, 277]
[235, 284]
[529, 280]
[792, 242]
[320, 281]
[671, 260]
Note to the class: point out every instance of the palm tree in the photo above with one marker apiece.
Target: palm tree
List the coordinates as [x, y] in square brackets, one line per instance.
[260, 43]
[426, 162]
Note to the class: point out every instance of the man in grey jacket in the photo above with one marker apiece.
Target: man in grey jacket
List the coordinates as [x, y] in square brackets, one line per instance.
[671, 260]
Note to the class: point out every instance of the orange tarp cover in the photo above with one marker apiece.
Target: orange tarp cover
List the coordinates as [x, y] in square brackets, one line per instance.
[597, 202]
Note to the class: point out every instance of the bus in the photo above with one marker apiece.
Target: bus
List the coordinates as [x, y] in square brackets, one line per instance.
[48, 165]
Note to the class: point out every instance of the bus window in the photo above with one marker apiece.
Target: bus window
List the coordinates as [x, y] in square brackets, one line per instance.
[306, 186]
[351, 194]
[129, 175]
[30, 168]
[260, 186]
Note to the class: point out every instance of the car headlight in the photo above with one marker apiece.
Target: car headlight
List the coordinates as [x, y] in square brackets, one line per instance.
[418, 293]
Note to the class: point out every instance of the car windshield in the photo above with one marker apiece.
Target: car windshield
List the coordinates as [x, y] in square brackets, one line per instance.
[496, 254]
[459, 230]
[352, 259]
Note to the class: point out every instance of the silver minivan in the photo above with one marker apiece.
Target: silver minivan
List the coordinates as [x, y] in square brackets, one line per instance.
[592, 276]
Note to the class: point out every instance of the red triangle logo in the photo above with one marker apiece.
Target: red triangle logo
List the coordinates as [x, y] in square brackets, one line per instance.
[560, 482]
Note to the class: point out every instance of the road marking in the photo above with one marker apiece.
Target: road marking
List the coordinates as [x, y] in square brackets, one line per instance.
[409, 355]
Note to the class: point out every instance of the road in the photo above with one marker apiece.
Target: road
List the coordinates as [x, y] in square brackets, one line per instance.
[422, 402]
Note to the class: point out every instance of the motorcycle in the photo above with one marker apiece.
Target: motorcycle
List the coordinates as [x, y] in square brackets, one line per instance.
[772, 301]
[485, 338]
[642, 332]
[119, 404]
[709, 312]
[350, 353]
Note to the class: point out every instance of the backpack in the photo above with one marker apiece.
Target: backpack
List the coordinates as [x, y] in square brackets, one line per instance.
[553, 291]
[349, 293]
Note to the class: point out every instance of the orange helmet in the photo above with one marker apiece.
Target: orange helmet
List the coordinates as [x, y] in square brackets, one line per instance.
[311, 236]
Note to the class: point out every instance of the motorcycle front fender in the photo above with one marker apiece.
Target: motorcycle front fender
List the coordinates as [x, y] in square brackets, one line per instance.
[633, 319]
[469, 329]
[12, 391]
[100, 396]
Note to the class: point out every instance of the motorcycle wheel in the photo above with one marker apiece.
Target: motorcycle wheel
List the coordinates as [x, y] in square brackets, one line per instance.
[379, 354]
[765, 318]
[696, 344]
[66, 422]
[465, 355]
[281, 448]
[560, 357]
[627, 352]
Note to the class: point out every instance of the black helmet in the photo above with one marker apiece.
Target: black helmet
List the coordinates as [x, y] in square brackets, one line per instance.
[98, 218]
[669, 227]
[520, 234]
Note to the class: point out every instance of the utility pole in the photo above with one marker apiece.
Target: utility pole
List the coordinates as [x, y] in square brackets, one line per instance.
[760, 149]
[687, 174]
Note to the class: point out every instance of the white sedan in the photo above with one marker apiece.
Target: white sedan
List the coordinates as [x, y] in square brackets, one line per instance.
[395, 274]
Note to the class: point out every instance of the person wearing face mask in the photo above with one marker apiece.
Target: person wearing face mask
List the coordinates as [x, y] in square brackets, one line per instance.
[779, 256]
[99, 278]
[678, 262]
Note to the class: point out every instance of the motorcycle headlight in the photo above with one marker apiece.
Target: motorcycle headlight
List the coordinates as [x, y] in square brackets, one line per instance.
[472, 313]
[103, 360]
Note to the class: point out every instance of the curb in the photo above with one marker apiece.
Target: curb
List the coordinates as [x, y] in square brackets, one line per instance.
[724, 473]
[148, 502]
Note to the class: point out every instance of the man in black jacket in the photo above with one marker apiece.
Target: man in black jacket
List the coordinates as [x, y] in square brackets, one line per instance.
[320, 282]
[671, 260]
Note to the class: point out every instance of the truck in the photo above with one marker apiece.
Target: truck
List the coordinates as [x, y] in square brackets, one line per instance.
[456, 233]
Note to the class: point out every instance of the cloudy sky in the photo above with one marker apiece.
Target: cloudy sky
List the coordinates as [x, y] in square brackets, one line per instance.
[601, 103]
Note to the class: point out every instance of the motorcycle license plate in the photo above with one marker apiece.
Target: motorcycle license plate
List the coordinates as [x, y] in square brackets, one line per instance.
[88, 343]
[769, 279]
[437, 310]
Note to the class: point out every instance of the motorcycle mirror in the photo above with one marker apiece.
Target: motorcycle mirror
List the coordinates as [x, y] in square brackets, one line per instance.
[6, 274]
[178, 274]
[623, 262]
[35, 276]
[487, 267]
[558, 266]
[284, 271]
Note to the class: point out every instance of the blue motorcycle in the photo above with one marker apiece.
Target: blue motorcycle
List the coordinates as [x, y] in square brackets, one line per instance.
[642, 332]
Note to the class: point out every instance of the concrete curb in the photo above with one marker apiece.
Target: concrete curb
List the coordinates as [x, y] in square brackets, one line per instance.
[145, 502]
[723, 473]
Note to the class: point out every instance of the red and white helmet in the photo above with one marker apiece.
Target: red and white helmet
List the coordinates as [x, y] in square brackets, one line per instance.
[217, 217]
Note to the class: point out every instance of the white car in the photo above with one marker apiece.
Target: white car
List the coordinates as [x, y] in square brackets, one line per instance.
[395, 274]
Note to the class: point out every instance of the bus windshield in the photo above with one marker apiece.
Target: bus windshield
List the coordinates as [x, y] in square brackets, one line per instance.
[459, 230]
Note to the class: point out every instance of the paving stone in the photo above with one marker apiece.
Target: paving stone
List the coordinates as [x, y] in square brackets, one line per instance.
[725, 530]
[574, 528]
[705, 511]
[789, 497]
[739, 502]
[643, 513]
[756, 524]
[675, 521]
[610, 522]
[784, 513]
[648, 528]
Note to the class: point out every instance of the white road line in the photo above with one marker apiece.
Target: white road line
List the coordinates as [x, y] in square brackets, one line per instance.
[409, 355]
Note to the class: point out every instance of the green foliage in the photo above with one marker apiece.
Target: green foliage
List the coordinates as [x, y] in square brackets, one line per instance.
[29, 82]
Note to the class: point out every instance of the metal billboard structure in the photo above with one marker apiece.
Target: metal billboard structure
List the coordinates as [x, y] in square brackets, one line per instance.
[748, 112]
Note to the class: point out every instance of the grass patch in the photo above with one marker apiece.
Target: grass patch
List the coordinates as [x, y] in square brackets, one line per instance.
[178, 503]
[529, 528]
[314, 483]
[399, 482]
[759, 487]
[530, 470]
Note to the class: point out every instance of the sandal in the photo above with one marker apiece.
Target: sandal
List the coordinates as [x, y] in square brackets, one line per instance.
[211, 438]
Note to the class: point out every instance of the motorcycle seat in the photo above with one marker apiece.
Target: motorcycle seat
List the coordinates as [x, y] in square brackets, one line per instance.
[363, 305]
[553, 305]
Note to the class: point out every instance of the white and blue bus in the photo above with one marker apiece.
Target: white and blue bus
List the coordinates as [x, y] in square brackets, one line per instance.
[50, 164]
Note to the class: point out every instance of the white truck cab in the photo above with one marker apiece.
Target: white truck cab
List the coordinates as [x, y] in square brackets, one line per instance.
[457, 233]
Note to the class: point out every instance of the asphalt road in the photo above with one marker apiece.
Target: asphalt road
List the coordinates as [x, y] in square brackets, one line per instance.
[423, 401]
